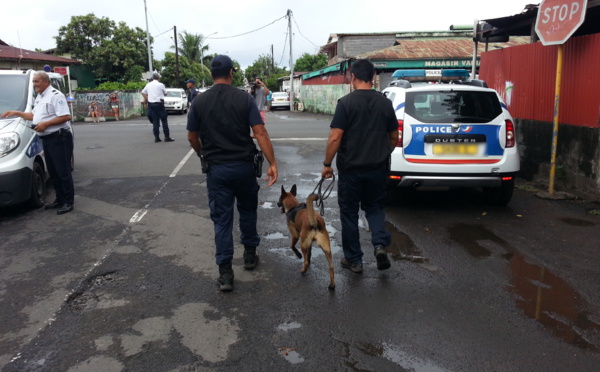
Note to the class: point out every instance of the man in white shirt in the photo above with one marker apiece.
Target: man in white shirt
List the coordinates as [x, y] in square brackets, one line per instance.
[51, 118]
[154, 94]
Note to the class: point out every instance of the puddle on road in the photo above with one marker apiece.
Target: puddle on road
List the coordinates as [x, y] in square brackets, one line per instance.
[403, 248]
[539, 293]
[548, 299]
[291, 355]
[392, 353]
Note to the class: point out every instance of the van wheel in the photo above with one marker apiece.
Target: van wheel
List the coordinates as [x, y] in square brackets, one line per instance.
[38, 187]
[499, 195]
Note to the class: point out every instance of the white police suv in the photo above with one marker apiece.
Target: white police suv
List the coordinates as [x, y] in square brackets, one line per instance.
[454, 132]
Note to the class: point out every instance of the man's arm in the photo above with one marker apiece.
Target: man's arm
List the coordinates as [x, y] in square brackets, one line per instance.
[22, 115]
[264, 142]
[333, 145]
[394, 136]
[41, 126]
[194, 138]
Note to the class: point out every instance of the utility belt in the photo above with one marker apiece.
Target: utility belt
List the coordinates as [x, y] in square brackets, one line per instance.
[257, 163]
[62, 132]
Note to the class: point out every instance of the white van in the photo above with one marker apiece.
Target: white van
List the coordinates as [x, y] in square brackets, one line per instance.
[23, 172]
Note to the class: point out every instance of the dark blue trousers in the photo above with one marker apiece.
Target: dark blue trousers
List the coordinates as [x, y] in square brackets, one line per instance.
[158, 114]
[58, 152]
[366, 190]
[228, 183]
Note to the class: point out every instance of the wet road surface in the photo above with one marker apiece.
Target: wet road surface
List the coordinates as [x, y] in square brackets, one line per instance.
[126, 282]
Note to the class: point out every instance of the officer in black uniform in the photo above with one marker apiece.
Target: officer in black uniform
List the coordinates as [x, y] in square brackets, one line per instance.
[219, 125]
[364, 132]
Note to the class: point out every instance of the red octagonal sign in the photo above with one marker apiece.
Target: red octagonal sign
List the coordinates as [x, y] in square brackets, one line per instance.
[557, 20]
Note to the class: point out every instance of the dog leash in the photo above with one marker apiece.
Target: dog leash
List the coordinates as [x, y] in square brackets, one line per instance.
[321, 196]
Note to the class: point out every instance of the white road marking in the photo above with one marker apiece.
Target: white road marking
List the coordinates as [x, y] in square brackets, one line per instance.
[182, 162]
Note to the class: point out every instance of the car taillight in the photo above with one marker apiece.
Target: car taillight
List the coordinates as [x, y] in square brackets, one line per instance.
[400, 131]
[510, 134]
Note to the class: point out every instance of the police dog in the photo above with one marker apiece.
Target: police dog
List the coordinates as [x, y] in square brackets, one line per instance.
[307, 226]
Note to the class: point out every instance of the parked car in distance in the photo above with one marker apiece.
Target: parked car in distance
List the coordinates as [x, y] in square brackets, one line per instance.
[176, 100]
[280, 100]
[454, 132]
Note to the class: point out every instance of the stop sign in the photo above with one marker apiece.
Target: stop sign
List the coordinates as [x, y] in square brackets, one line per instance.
[557, 20]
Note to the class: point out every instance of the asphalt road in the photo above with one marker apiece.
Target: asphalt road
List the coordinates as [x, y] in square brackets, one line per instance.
[126, 282]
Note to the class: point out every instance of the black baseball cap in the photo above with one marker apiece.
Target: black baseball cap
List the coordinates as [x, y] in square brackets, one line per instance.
[190, 81]
[221, 63]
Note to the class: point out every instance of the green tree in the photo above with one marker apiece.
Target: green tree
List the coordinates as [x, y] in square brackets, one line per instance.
[191, 46]
[187, 70]
[264, 68]
[110, 49]
[308, 62]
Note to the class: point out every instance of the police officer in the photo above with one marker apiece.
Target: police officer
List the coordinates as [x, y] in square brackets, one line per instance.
[193, 91]
[52, 122]
[154, 93]
[219, 125]
[364, 132]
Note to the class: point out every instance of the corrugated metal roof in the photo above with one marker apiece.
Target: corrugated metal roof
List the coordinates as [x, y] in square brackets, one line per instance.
[8, 52]
[437, 48]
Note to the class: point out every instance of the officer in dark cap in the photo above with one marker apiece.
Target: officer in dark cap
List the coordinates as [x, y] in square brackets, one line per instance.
[193, 91]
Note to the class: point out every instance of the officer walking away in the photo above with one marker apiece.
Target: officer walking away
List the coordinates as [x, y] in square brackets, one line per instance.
[52, 122]
[154, 94]
[192, 90]
[259, 91]
[364, 132]
[219, 126]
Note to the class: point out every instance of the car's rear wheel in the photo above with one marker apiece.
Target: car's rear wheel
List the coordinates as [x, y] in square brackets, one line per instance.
[499, 195]
[38, 186]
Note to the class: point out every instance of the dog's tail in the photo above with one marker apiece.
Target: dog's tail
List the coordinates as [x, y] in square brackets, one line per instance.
[310, 211]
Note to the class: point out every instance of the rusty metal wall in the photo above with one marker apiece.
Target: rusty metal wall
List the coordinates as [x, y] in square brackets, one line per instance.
[525, 77]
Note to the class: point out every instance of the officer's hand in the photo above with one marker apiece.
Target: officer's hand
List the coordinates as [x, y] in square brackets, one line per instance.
[327, 172]
[40, 127]
[8, 113]
[271, 174]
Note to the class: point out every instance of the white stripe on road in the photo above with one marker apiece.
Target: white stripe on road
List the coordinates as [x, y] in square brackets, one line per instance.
[137, 216]
[182, 163]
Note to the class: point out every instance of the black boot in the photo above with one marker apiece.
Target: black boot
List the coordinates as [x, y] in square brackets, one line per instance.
[157, 139]
[250, 257]
[225, 277]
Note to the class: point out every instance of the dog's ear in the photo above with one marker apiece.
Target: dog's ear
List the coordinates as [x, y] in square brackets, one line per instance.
[293, 190]
[282, 190]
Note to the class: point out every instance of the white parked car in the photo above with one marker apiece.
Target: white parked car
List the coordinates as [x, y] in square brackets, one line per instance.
[280, 100]
[176, 100]
[454, 132]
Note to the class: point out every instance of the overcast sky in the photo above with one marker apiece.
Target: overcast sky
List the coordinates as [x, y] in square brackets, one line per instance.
[32, 24]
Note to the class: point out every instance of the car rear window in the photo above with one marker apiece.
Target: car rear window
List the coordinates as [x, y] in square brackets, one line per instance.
[453, 106]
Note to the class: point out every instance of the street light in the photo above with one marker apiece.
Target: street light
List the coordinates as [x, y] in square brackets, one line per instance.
[202, 54]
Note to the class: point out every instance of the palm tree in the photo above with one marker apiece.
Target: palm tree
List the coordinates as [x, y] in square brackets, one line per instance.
[190, 46]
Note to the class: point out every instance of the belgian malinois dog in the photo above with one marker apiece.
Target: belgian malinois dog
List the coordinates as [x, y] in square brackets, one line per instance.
[307, 226]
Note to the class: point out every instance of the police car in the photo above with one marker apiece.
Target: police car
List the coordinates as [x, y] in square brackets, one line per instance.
[454, 132]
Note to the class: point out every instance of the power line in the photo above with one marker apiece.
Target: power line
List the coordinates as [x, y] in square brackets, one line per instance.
[284, 47]
[249, 32]
[298, 27]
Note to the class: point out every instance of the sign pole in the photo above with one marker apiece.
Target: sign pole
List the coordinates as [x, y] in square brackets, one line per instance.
[559, 64]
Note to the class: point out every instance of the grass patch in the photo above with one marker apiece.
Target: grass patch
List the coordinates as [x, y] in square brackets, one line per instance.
[594, 212]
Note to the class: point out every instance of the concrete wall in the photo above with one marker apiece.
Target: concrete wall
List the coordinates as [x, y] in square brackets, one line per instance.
[130, 104]
[322, 98]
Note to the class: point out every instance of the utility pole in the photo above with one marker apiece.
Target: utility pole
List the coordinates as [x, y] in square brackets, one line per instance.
[148, 40]
[176, 58]
[272, 61]
[289, 15]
